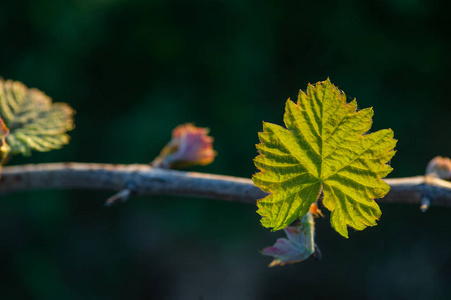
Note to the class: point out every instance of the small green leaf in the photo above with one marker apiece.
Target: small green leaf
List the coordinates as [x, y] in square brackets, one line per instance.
[34, 122]
[323, 148]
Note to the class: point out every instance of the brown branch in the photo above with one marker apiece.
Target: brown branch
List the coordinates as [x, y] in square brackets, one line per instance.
[144, 180]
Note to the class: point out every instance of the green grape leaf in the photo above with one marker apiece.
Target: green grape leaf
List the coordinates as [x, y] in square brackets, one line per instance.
[33, 121]
[324, 148]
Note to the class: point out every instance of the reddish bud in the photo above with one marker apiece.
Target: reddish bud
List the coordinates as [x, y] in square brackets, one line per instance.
[439, 167]
[190, 145]
[298, 245]
[4, 148]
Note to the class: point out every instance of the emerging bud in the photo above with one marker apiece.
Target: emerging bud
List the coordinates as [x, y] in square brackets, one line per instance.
[190, 145]
[4, 147]
[439, 167]
[4, 131]
[315, 211]
[299, 245]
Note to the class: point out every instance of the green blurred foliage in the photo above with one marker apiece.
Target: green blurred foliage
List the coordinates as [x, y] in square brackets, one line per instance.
[135, 69]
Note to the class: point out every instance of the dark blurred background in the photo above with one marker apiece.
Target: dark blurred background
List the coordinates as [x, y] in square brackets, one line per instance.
[135, 69]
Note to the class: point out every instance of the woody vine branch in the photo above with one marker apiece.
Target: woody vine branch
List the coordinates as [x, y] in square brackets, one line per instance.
[144, 180]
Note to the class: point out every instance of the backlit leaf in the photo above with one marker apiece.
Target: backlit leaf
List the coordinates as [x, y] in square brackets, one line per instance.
[324, 147]
[34, 122]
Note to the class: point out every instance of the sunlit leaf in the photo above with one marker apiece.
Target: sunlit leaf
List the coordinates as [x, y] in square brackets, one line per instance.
[34, 122]
[324, 147]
